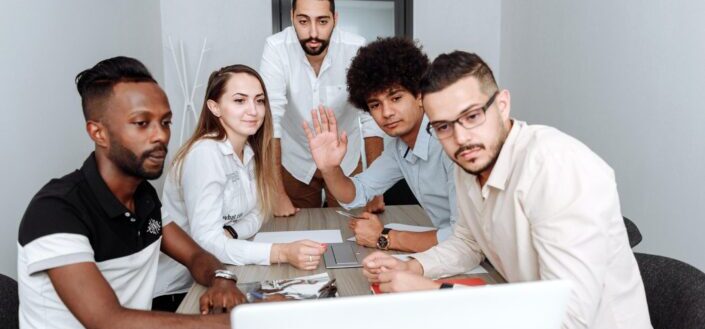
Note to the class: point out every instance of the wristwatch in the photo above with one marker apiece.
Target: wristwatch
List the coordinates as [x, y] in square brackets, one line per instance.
[225, 274]
[383, 240]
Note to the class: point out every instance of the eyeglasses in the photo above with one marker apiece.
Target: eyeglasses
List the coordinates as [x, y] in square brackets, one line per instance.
[468, 120]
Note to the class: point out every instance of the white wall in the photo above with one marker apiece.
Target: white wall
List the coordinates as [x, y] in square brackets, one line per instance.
[236, 31]
[626, 78]
[44, 45]
[469, 25]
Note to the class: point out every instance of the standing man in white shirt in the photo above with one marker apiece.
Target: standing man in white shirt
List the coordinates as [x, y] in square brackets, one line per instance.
[303, 67]
[539, 204]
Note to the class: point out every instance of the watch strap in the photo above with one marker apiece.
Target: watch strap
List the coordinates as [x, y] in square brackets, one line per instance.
[446, 285]
[230, 230]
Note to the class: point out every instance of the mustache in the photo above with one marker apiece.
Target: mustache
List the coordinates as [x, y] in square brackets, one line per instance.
[161, 148]
[313, 39]
[466, 148]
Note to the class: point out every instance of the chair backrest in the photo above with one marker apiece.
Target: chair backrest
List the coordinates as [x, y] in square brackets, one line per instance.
[632, 232]
[675, 292]
[9, 303]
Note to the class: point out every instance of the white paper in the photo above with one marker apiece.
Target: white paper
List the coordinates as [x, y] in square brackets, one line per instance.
[404, 227]
[322, 236]
[409, 228]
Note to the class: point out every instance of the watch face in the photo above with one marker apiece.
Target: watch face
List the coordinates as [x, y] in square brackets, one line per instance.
[382, 242]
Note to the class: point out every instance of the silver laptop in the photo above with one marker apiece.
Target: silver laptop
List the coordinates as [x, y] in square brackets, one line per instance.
[345, 255]
[535, 305]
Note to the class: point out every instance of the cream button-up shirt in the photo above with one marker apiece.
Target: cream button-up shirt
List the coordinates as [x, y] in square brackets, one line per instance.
[549, 210]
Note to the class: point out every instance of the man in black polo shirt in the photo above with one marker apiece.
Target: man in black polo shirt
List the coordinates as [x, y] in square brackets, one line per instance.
[89, 241]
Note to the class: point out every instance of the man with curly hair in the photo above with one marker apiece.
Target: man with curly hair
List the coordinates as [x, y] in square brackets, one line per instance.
[383, 80]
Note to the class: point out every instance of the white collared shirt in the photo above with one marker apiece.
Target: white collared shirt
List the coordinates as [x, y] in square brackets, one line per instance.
[549, 210]
[426, 168]
[294, 90]
[216, 189]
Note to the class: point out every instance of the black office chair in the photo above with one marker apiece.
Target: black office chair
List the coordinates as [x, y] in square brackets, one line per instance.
[632, 232]
[675, 292]
[399, 194]
[9, 303]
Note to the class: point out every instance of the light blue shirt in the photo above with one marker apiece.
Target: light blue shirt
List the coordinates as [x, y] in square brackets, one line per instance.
[428, 172]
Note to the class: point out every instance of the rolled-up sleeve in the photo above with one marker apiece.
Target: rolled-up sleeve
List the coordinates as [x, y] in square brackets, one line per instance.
[378, 178]
[272, 71]
[203, 182]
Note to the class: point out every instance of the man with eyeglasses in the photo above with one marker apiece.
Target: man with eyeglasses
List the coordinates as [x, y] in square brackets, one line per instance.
[537, 203]
[383, 80]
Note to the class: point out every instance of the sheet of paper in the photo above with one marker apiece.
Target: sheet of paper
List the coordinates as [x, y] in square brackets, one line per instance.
[404, 227]
[322, 236]
[409, 228]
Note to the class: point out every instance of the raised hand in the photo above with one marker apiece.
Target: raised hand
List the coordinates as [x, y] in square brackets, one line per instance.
[327, 148]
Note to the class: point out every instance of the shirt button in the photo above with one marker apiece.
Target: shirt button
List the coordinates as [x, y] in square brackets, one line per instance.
[132, 220]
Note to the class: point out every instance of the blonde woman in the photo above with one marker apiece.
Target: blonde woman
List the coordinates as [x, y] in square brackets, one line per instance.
[221, 184]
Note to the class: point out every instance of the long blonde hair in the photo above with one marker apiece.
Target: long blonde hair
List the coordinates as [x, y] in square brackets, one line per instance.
[209, 126]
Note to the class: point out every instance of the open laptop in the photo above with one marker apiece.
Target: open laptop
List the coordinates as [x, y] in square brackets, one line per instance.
[535, 305]
[345, 255]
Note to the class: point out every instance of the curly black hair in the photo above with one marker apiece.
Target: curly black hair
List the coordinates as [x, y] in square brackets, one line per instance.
[382, 64]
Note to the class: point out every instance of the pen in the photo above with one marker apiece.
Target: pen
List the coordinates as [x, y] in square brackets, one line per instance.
[347, 214]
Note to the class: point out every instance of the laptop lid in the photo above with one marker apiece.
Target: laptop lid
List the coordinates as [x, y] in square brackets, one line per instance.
[535, 305]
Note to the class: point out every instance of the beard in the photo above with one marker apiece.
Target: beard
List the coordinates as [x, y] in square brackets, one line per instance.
[494, 149]
[314, 52]
[132, 165]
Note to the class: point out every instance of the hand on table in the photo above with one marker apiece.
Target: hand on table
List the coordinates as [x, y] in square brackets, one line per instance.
[222, 294]
[400, 281]
[377, 262]
[367, 229]
[303, 254]
[284, 207]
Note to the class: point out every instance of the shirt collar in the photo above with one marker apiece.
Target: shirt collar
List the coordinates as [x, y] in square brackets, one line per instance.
[226, 148]
[501, 170]
[422, 140]
[107, 200]
[420, 146]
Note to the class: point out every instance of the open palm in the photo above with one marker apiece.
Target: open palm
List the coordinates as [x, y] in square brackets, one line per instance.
[327, 148]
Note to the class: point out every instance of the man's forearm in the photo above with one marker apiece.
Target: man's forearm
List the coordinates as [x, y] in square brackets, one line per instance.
[203, 268]
[341, 186]
[129, 318]
[412, 241]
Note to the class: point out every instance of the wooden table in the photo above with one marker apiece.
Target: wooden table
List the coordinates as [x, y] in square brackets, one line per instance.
[350, 281]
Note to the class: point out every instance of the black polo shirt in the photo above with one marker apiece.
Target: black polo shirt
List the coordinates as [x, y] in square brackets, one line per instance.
[77, 219]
